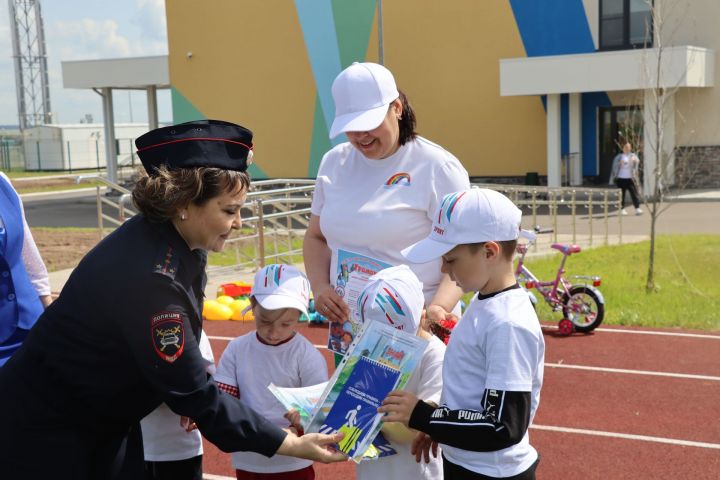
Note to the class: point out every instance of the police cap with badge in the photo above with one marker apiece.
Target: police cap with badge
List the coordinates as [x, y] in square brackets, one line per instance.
[200, 143]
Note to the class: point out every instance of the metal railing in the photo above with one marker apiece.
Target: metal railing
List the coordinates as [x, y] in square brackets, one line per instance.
[116, 198]
[569, 210]
[277, 212]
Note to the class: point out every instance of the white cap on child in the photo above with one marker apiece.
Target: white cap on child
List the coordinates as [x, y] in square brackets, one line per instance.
[281, 286]
[469, 216]
[393, 296]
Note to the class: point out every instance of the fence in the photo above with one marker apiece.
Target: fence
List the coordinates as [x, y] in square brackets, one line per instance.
[12, 156]
[277, 212]
[573, 212]
[62, 156]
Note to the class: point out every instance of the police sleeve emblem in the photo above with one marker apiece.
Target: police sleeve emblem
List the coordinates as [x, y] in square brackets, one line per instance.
[168, 335]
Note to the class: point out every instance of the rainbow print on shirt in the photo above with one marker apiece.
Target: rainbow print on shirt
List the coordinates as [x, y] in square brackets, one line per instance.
[400, 178]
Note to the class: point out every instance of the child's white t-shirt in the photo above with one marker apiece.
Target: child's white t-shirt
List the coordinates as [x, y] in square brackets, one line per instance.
[426, 383]
[164, 440]
[498, 344]
[251, 366]
[379, 207]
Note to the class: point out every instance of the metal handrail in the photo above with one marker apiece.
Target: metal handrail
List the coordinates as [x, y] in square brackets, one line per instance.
[574, 199]
[278, 212]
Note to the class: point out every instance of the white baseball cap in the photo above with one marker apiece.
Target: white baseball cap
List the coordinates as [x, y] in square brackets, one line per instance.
[362, 93]
[281, 286]
[469, 216]
[394, 296]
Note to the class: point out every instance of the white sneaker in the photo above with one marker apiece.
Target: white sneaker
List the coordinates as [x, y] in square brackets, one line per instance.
[623, 212]
[638, 211]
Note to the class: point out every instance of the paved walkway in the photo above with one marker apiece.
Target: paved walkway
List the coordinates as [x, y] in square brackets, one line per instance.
[695, 212]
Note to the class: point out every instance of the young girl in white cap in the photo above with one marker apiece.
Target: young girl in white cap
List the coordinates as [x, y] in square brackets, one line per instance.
[273, 353]
[395, 296]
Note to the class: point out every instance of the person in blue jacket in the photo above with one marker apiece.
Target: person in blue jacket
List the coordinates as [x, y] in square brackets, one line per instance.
[123, 335]
[24, 285]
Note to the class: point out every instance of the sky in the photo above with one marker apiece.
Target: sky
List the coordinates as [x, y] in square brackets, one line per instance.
[87, 30]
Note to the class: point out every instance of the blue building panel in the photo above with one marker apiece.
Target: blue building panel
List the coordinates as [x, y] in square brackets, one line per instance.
[560, 27]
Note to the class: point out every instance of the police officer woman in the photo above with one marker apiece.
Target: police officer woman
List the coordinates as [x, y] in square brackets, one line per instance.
[123, 335]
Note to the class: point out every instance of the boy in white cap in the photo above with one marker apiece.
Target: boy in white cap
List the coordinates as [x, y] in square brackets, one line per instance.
[493, 367]
[395, 296]
[273, 353]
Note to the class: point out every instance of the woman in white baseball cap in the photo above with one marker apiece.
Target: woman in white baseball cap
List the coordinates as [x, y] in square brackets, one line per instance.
[375, 194]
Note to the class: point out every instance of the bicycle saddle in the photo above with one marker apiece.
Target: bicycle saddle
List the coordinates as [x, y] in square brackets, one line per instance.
[566, 249]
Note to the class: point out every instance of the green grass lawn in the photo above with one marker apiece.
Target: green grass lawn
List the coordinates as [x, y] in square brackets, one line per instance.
[24, 173]
[240, 252]
[686, 266]
[688, 295]
[58, 188]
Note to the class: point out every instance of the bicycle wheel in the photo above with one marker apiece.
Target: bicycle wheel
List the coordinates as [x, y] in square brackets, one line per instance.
[583, 308]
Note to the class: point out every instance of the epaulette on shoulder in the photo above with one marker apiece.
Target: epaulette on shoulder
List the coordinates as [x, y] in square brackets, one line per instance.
[167, 261]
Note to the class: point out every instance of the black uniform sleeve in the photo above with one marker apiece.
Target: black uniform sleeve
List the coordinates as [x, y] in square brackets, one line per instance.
[501, 422]
[160, 334]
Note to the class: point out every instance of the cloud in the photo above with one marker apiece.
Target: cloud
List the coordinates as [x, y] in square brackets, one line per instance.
[150, 18]
[131, 29]
[87, 39]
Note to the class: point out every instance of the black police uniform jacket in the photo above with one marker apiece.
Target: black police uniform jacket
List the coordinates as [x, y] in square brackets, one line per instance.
[121, 338]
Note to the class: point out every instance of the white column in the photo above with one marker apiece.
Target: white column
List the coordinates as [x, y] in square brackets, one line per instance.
[152, 107]
[575, 132]
[553, 140]
[650, 141]
[109, 125]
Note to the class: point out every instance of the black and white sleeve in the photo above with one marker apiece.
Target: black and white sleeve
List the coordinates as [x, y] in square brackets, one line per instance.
[501, 421]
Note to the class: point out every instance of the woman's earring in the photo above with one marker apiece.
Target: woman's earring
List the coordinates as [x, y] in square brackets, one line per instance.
[182, 216]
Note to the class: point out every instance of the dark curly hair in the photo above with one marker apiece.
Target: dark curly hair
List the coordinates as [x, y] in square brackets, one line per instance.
[161, 196]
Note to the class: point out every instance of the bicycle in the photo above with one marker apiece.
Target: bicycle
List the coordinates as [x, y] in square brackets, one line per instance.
[581, 302]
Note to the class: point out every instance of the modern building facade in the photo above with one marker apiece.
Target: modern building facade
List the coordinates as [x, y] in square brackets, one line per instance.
[508, 86]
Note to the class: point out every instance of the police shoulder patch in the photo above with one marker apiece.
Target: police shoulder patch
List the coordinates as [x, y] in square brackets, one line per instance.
[168, 335]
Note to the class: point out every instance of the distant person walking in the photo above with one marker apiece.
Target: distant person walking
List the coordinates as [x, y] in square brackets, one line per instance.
[624, 174]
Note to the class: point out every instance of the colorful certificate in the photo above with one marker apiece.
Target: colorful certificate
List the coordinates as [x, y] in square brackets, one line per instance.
[380, 360]
[352, 274]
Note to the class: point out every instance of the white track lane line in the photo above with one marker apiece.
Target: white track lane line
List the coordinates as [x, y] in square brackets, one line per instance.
[645, 332]
[210, 476]
[582, 367]
[634, 372]
[627, 436]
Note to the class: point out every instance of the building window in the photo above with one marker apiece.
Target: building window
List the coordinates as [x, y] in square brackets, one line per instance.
[625, 24]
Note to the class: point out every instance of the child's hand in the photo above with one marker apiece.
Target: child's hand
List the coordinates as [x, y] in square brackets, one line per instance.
[398, 405]
[188, 424]
[293, 416]
[422, 445]
[435, 313]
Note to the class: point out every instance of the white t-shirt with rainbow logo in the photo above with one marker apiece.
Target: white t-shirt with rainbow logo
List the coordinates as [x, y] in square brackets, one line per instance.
[378, 207]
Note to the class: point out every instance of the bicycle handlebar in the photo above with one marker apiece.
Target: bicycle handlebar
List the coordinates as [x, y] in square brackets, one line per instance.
[539, 229]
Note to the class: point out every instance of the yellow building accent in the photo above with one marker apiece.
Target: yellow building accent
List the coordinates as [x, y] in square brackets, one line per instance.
[249, 65]
[445, 55]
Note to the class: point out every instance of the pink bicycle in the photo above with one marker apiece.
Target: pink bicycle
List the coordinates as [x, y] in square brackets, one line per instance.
[581, 303]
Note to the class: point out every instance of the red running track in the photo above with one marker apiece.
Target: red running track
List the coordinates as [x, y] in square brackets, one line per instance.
[616, 404]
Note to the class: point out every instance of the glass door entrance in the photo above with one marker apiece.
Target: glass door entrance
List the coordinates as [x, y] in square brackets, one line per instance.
[618, 126]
